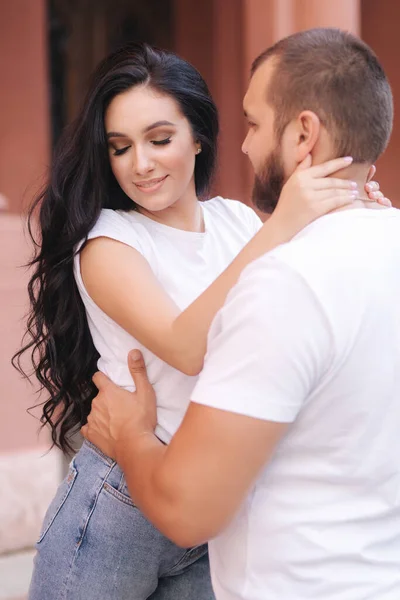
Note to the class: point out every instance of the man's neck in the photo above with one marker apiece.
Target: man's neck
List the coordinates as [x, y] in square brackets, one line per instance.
[359, 174]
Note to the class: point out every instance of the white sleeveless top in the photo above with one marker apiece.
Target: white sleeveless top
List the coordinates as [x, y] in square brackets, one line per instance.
[185, 263]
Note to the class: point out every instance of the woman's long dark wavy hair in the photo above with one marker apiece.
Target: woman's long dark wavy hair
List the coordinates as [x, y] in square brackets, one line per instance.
[81, 183]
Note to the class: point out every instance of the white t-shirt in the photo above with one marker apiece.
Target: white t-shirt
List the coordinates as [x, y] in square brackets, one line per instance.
[185, 264]
[310, 336]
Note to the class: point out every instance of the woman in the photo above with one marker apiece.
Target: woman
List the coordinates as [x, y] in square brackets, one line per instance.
[130, 258]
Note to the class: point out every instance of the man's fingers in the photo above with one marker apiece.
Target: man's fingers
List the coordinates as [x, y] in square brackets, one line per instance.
[84, 430]
[137, 369]
[100, 380]
[331, 166]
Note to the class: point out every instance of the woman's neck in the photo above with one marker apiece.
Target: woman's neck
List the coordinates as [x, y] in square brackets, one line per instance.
[185, 214]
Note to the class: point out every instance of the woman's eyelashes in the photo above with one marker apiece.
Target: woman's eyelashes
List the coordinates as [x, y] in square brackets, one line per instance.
[161, 142]
[164, 142]
[119, 151]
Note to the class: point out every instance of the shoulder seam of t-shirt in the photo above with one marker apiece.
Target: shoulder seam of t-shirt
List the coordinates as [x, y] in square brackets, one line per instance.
[282, 265]
[114, 226]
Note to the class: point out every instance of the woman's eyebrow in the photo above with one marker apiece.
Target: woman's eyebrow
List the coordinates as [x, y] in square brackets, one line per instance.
[112, 134]
[158, 124]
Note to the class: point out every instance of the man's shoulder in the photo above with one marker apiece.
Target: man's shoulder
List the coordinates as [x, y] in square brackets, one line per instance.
[332, 254]
[328, 241]
[311, 256]
[272, 275]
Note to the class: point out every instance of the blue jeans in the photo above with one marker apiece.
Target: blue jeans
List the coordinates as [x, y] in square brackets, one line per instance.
[96, 545]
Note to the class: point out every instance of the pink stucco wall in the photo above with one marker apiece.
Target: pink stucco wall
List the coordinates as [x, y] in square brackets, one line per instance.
[24, 106]
[24, 156]
[18, 429]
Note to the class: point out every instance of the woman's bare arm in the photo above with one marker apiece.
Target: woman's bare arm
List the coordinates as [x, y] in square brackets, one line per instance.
[121, 282]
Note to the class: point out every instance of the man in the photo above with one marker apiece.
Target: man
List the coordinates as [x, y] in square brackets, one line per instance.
[288, 458]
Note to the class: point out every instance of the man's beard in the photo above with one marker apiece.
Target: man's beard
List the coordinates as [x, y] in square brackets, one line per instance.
[269, 183]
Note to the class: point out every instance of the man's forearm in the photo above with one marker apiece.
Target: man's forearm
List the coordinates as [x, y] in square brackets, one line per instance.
[166, 492]
[153, 490]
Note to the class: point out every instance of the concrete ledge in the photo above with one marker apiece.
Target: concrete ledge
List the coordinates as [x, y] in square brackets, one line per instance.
[28, 480]
[15, 575]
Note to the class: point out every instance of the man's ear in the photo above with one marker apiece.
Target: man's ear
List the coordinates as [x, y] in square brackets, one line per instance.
[308, 127]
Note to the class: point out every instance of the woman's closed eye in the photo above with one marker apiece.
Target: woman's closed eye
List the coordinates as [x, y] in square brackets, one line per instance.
[119, 151]
[161, 142]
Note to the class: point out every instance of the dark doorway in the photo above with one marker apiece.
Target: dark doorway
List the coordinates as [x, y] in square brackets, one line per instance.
[82, 32]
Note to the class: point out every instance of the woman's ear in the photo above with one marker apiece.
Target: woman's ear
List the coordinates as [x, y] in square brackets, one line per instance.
[308, 127]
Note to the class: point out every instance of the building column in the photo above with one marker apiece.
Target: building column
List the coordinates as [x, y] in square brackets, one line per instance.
[28, 476]
[228, 88]
[345, 14]
[24, 102]
[209, 35]
[384, 39]
[223, 38]
[267, 21]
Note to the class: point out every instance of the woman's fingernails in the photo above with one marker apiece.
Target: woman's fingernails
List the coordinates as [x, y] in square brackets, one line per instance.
[354, 184]
[348, 159]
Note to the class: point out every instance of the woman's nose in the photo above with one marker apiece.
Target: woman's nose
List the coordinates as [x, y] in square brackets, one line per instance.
[142, 163]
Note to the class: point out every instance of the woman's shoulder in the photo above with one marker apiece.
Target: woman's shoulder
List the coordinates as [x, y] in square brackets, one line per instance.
[118, 224]
[121, 226]
[233, 210]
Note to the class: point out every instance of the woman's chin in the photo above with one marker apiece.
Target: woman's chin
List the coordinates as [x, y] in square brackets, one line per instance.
[154, 204]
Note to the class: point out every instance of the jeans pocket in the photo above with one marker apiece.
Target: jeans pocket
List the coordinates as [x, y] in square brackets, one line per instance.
[121, 493]
[58, 501]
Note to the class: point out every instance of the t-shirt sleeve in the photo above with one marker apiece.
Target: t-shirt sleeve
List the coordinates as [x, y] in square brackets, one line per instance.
[114, 225]
[268, 347]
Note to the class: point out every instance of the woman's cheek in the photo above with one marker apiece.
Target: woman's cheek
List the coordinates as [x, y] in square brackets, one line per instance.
[180, 157]
[119, 171]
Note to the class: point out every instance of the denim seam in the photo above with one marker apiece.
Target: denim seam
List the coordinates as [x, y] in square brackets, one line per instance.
[172, 570]
[118, 495]
[121, 483]
[79, 543]
[70, 480]
[109, 461]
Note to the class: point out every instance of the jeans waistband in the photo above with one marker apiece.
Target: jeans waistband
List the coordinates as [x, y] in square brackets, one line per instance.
[91, 447]
[97, 467]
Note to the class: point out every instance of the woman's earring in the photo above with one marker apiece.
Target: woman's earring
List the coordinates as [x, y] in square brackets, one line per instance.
[198, 150]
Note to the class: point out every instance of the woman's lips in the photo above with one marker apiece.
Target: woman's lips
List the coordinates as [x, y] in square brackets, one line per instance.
[151, 185]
